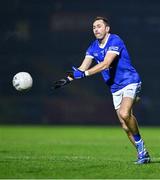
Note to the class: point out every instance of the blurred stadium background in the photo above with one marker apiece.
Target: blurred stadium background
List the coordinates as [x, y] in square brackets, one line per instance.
[47, 37]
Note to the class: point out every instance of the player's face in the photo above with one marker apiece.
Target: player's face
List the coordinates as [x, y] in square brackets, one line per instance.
[100, 29]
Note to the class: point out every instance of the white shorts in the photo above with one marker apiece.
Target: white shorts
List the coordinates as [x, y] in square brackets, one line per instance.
[131, 90]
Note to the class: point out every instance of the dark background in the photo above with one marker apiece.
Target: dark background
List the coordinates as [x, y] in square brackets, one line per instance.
[47, 37]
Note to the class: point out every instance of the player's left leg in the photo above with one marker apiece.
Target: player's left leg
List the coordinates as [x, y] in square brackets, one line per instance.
[117, 99]
[124, 100]
[126, 129]
[125, 113]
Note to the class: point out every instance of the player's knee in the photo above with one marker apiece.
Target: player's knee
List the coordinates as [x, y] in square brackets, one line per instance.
[125, 115]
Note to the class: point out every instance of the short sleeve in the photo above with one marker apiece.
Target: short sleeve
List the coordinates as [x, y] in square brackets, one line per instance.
[115, 46]
[89, 52]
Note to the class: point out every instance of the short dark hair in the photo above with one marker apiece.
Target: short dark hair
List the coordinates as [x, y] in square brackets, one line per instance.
[106, 21]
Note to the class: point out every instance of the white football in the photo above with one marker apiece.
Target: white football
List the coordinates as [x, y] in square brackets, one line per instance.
[22, 81]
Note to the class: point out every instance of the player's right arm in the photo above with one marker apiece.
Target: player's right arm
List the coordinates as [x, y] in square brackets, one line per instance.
[86, 63]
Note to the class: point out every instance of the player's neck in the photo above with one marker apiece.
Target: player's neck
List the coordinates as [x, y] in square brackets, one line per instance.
[103, 41]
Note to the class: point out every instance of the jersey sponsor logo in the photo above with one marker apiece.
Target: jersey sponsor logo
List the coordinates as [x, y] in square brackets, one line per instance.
[95, 54]
[113, 48]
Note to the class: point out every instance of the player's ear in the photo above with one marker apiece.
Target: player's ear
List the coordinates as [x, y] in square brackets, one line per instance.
[107, 29]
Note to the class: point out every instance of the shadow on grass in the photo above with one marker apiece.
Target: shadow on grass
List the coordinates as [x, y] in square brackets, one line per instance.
[155, 161]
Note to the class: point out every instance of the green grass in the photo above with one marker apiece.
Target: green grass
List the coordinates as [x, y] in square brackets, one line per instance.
[74, 152]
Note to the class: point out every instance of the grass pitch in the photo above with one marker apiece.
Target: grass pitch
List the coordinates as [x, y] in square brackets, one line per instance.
[74, 152]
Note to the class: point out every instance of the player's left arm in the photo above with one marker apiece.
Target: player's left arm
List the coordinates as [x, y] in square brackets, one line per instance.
[76, 73]
[113, 51]
[109, 58]
[81, 72]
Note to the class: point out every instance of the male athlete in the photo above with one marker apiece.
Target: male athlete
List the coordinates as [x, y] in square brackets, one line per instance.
[114, 63]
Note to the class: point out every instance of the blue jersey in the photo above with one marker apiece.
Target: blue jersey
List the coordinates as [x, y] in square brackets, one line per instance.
[121, 72]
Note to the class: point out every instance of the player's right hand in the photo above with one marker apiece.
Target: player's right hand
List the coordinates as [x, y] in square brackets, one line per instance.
[60, 83]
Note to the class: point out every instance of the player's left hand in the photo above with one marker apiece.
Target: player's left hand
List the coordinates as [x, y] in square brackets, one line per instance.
[76, 73]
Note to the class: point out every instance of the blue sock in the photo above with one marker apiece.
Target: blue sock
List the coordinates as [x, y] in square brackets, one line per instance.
[137, 137]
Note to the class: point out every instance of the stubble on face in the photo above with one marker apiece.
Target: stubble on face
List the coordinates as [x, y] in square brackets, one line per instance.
[100, 30]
